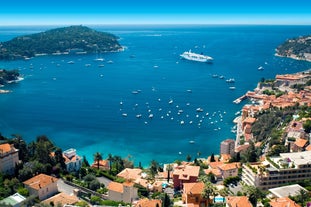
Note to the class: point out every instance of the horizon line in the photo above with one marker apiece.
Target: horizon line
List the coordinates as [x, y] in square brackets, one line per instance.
[158, 24]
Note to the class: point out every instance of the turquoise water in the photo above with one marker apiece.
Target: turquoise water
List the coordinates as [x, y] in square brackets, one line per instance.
[93, 108]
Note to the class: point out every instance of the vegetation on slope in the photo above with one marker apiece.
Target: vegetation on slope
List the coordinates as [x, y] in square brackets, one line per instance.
[7, 76]
[299, 48]
[61, 40]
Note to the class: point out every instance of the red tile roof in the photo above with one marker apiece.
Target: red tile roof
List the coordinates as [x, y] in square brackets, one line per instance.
[238, 201]
[193, 188]
[62, 198]
[149, 203]
[40, 181]
[114, 186]
[187, 172]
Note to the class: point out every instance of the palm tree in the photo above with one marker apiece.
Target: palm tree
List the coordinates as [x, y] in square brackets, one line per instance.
[302, 196]
[154, 165]
[97, 157]
[253, 193]
[110, 158]
[209, 189]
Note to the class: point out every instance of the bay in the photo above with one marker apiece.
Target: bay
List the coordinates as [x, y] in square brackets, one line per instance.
[90, 105]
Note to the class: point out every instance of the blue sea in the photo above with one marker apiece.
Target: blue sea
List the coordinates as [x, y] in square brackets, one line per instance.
[93, 106]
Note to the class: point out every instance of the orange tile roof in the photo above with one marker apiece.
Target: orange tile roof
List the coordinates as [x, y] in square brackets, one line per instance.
[238, 201]
[214, 165]
[308, 148]
[229, 166]
[225, 157]
[215, 172]
[193, 188]
[249, 120]
[283, 202]
[5, 148]
[128, 184]
[149, 203]
[102, 163]
[130, 174]
[301, 142]
[62, 198]
[114, 186]
[187, 172]
[40, 181]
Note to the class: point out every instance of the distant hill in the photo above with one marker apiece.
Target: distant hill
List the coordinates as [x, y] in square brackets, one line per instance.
[297, 48]
[66, 40]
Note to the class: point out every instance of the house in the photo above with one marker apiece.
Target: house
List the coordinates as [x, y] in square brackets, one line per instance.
[8, 158]
[134, 175]
[149, 203]
[229, 169]
[61, 199]
[125, 192]
[157, 186]
[185, 174]
[72, 160]
[43, 186]
[283, 202]
[192, 194]
[130, 174]
[299, 145]
[238, 201]
[103, 165]
[15, 200]
[215, 172]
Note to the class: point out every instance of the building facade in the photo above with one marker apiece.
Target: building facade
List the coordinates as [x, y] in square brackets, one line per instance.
[43, 186]
[8, 158]
[277, 171]
[72, 160]
[227, 147]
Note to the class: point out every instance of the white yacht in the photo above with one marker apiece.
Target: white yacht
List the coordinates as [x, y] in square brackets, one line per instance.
[196, 57]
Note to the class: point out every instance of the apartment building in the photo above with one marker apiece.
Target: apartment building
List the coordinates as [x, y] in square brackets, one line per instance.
[277, 171]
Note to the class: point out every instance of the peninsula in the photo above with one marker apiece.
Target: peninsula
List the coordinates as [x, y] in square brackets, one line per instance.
[66, 40]
[297, 48]
[8, 76]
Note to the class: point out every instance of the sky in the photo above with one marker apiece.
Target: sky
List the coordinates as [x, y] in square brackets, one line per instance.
[68, 12]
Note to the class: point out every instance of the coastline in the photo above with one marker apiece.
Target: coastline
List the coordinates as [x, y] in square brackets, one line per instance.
[292, 56]
[4, 91]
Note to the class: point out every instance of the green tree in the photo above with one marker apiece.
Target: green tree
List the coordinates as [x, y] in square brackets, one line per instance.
[85, 163]
[188, 158]
[97, 158]
[21, 145]
[166, 201]
[253, 193]
[59, 159]
[208, 190]
[94, 185]
[154, 165]
[212, 158]
[43, 149]
[110, 159]
[169, 168]
[307, 126]
[302, 197]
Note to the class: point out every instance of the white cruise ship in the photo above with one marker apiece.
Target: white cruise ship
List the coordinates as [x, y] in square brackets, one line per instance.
[196, 57]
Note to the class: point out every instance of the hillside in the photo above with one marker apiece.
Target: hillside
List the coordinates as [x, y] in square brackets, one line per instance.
[66, 40]
[297, 48]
